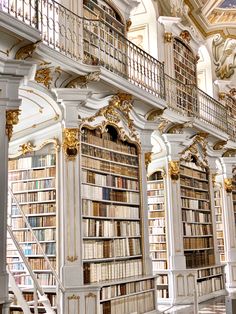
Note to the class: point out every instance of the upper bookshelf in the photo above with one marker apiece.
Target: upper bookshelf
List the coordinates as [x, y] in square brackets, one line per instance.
[219, 222]
[112, 222]
[196, 216]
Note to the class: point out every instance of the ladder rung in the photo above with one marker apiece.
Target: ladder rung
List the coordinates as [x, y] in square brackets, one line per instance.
[16, 262]
[21, 275]
[32, 302]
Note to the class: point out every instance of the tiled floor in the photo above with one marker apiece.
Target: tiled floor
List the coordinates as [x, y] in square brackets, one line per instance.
[214, 306]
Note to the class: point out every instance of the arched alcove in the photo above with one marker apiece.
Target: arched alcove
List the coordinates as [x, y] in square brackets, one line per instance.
[143, 31]
[204, 71]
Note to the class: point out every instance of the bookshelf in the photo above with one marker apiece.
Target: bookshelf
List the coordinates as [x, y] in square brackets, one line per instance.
[234, 197]
[198, 236]
[158, 231]
[32, 178]
[219, 222]
[112, 221]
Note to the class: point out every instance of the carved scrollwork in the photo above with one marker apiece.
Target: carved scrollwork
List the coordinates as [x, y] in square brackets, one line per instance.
[174, 170]
[228, 185]
[71, 143]
[83, 80]
[26, 148]
[148, 158]
[26, 51]
[12, 118]
[185, 35]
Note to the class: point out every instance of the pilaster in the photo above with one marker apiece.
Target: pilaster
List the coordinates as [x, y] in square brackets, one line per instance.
[229, 221]
[12, 74]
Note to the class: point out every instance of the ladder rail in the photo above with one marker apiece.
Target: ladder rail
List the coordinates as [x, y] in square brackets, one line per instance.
[37, 241]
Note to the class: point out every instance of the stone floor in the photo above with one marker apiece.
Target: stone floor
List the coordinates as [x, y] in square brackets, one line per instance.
[213, 306]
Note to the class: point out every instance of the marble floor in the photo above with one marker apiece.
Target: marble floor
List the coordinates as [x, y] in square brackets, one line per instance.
[214, 306]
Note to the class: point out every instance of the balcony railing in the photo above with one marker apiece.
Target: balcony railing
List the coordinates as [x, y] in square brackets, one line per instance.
[189, 100]
[94, 42]
[90, 41]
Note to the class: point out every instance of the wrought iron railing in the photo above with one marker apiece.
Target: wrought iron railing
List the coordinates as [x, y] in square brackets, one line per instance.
[90, 41]
[94, 42]
[189, 100]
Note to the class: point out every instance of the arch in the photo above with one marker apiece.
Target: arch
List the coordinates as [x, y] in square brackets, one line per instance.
[204, 71]
[143, 31]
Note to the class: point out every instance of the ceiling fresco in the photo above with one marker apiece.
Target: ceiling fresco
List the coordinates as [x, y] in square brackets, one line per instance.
[228, 4]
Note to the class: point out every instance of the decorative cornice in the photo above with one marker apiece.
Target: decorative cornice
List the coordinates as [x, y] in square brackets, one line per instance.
[168, 37]
[174, 170]
[228, 185]
[70, 143]
[12, 118]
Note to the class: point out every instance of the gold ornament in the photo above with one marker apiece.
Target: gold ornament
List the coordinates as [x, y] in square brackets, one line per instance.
[71, 143]
[83, 80]
[26, 148]
[148, 158]
[185, 35]
[26, 51]
[174, 170]
[72, 258]
[12, 118]
[44, 76]
[168, 37]
[219, 145]
[228, 184]
[222, 95]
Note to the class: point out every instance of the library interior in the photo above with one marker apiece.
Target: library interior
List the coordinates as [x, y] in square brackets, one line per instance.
[118, 149]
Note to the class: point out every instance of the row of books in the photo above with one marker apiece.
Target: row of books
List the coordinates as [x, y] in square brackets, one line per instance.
[159, 222]
[109, 155]
[30, 209]
[109, 180]
[194, 183]
[94, 249]
[194, 204]
[162, 293]
[154, 207]
[140, 303]
[157, 246]
[109, 228]
[194, 194]
[29, 296]
[158, 255]
[97, 209]
[108, 167]
[210, 285]
[35, 263]
[36, 196]
[43, 279]
[162, 279]
[157, 265]
[33, 185]
[113, 291]
[32, 162]
[98, 272]
[191, 164]
[157, 230]
[155, 193]
[195, 174]
[33, 248]
[156, 214]
[217, 203]
[156, 199]
[195, 216]
[220, 242]
[105, 140]
[196, 259]
[157, 238]
[101, 193]
[35, 221]
[196, 229]
[48, 234]
[155, 186]
[198, 243]
[32, 174]
[209, 272]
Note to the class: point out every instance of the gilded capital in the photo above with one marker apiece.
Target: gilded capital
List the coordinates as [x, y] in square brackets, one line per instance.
[168, 37]
[174, 170]
[228, 184]
[148, 158]
[71, 143]
[222, 95]
[12, 118]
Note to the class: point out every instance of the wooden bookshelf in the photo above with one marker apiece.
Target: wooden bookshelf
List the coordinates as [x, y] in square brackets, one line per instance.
[112, 223]
[157, 231]
[32, 178]
[219, 223]
[196, 216]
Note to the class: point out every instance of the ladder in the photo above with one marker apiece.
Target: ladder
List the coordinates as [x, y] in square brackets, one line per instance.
[22, 278]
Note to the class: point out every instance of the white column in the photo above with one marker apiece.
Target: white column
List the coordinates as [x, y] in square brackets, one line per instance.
[11, 76]
[229, 222]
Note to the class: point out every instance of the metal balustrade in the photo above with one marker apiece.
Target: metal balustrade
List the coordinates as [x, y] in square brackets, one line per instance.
[94, 42]
[189, 100]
